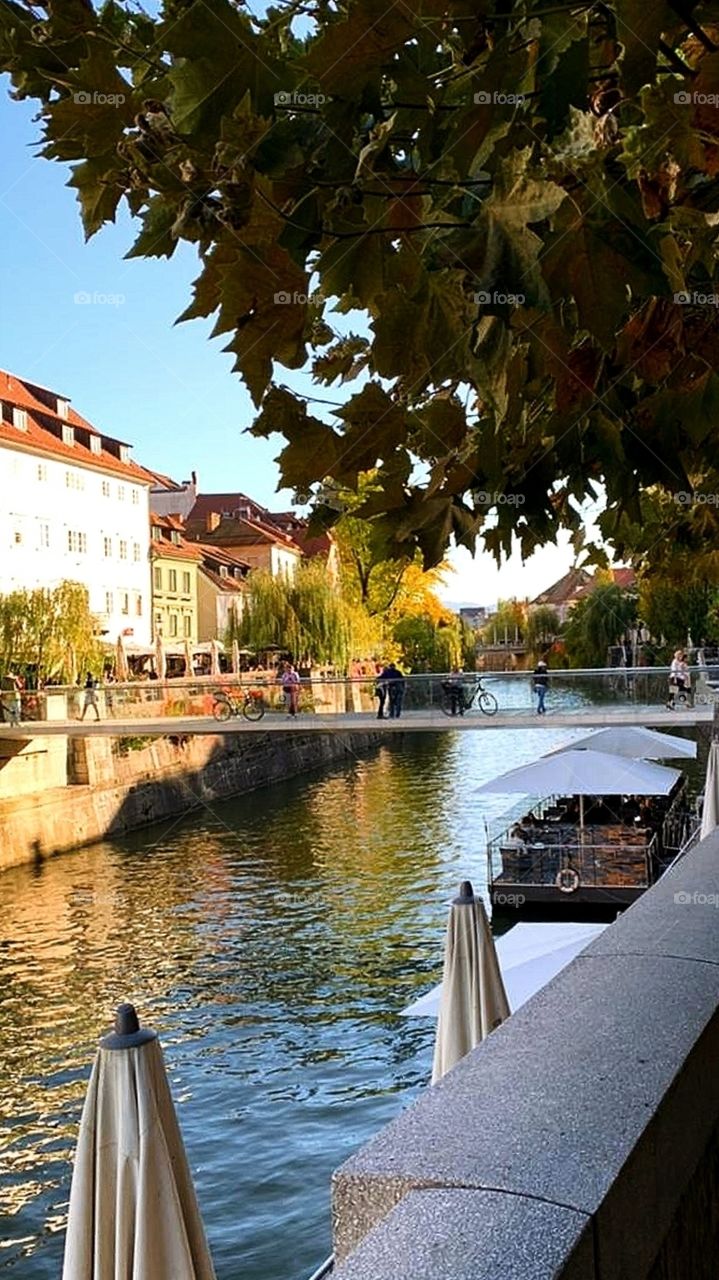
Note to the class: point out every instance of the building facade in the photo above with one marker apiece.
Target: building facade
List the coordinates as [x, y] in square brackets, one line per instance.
[221, 591]
[175, 565]
[75, 507]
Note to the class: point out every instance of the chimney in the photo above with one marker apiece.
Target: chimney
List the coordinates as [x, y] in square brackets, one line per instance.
[213, 520]
[193, 478]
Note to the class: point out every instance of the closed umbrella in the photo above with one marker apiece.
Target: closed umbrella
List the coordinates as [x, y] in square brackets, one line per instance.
[235, 658]
[473, 1000]
[122, 671]
[637, 743]
[189, 663]
[710, 808]
[215, 658]
[133, 1210]
[160, 660]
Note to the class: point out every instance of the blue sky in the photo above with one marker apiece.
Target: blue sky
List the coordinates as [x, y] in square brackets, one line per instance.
[164, 388]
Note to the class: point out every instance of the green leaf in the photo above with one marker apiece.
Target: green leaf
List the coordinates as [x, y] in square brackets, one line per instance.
[156, 239]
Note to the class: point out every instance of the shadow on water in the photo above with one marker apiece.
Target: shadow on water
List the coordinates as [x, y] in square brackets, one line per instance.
[272, 940]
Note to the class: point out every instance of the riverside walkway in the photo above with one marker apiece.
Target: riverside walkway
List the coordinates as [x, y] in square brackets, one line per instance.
[364, 722]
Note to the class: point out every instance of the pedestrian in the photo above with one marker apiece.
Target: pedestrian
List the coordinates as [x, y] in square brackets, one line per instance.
[541, 681]
[10, 700]
[395, 689]
[290, 682]
[679, 679]
[90, 699]
[380, 691]
[454, 688]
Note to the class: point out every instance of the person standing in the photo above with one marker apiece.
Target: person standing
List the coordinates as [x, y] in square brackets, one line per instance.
[453, 686]
[90, 699]
[291, 688]
[541, 681]
[396, 687]
[380, 691]
[679, 678]
[11, 702]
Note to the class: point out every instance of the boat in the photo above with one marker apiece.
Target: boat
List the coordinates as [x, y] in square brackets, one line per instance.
[607, 827]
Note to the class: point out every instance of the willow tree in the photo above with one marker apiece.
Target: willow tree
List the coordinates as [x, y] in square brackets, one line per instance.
[517, 203]
[304, 615]
[50, 633]
[599, 620]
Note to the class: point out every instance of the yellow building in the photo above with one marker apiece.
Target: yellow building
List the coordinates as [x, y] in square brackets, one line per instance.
[175, 565]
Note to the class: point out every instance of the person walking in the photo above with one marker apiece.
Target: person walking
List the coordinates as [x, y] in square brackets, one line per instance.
[10, 700]
[453, 686]
[396, 686]
[380, 692]
[290, 681]
[90, 699]
[541, 681]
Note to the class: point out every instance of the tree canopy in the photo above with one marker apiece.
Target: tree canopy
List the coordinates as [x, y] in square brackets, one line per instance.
[516, 203]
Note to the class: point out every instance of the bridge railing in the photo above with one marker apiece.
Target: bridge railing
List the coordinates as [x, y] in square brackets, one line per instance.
[427, 694]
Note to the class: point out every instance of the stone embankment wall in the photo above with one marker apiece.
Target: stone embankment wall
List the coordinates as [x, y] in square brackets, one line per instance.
[57, 794]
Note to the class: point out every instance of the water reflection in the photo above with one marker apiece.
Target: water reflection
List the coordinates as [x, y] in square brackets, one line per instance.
[272, 941]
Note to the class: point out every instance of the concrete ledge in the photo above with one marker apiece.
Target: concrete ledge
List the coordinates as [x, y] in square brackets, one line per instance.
[600, 1096]
[464, 1235]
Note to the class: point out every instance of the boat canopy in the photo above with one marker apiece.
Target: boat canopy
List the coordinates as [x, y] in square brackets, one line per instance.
[583, 772]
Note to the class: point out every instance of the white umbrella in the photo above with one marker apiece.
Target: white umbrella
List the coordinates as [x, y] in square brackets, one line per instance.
[160, 660]
[710, 808]
[473, 1000]
[122, 671]
[585, 773]
[235, 658]
[133, 1210]
[189, 664]
[215, 658]
[530, 955]
[638, 743]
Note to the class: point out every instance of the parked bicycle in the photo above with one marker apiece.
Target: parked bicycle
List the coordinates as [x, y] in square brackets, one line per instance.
[458, 696]
[252, 706]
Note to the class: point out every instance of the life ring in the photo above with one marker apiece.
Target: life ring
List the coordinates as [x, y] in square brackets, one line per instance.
[567, 880]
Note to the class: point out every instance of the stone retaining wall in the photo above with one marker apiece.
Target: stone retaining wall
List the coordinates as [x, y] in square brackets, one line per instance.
[580, 1141]
[114, 788]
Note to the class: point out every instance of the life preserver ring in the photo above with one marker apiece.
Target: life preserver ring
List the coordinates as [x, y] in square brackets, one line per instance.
[567, 880]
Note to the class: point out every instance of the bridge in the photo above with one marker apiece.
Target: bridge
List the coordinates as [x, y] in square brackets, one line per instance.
[362, 722]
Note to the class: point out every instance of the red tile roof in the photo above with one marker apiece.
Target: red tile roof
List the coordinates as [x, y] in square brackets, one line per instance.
[224, 584]
[625, 578]
[258, 521]
[40, 405]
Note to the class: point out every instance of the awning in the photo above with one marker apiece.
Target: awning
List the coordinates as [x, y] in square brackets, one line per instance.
[582, 772]
[636, 742]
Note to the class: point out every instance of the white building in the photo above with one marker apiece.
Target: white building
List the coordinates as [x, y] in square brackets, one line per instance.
[74, 506]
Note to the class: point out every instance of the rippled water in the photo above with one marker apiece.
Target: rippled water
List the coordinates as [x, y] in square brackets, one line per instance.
[272, 941]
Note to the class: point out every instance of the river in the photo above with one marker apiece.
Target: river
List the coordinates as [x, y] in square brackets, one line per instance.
[272, 941]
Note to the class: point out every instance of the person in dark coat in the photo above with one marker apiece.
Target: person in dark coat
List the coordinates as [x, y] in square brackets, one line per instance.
[395, 688]
[541, 681]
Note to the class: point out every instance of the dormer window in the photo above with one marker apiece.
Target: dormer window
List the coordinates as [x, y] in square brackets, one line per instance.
[156, 533]
[223, 570]
[63, 407]
[175, 537]
[19, 419]
[124, 453]
[68, 434]
[95, 444]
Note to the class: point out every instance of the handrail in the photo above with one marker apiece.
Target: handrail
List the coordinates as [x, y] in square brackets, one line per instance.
[325, 1269]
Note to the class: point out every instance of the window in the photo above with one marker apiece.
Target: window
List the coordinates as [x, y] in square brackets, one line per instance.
[124, 454]
[107, 546]
[158, 579]
[138, 605]
[76, 541]
[82, 542]
[106, 488]
[172, 576]
[186, 584]
[74, 481]
[125, 602]
[109, 602]
[96, 445]
[41, 471]
[223, 570]
[17, 536]
[173, 624]
[121, 492]
[156, 533]
[62, 407]
[123, 549]
[187, 620]
[43, 536]
[135, 496]
[136, 552]
[68, 434]
[19, 419]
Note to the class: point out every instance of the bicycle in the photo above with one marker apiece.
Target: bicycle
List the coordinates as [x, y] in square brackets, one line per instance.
[252, 706]
[458, 698]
